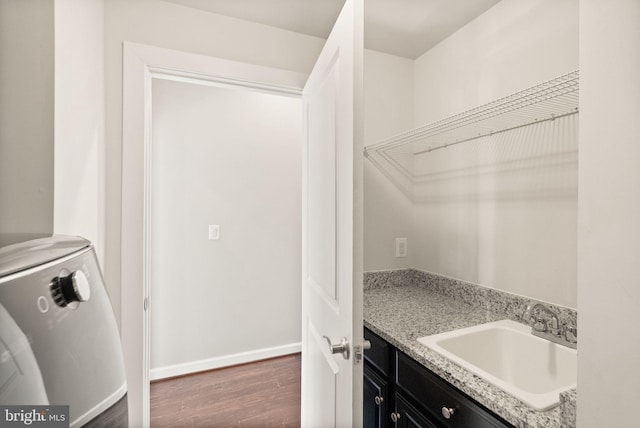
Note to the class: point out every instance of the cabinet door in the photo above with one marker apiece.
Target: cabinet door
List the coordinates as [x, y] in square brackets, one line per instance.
[375, 400]
[407, 416]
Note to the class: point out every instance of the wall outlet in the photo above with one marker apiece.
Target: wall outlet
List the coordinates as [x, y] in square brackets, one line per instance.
[214, 232]
[401, 247]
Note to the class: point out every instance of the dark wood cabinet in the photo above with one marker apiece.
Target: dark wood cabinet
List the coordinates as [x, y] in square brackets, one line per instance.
[378, 389]
[407, 416]
[410, 395]
[375, 399]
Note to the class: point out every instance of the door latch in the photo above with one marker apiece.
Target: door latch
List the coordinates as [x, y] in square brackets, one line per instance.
[358, 351]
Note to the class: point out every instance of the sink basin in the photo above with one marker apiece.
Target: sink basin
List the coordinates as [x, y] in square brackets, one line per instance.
[507, 355]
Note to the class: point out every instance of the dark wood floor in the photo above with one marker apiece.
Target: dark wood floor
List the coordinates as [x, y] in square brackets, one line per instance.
[261, 394]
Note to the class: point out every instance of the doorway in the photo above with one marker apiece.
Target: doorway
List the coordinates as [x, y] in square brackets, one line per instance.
[143, 64]
[224, 226]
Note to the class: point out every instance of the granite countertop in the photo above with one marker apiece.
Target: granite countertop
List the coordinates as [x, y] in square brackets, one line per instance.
[401, 314]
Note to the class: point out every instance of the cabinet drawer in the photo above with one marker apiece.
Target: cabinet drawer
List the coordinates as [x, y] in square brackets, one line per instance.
[433, 394]
[378, 355]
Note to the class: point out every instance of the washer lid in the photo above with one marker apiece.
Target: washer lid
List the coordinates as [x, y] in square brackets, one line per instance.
[17, 254]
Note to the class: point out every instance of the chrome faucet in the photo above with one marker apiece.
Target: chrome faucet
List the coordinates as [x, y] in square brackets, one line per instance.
[550, 330]
[540, 324]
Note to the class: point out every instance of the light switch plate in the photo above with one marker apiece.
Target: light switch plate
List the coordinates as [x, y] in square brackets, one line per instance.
[214, 232]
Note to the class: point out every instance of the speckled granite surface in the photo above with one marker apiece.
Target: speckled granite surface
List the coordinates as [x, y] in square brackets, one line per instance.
[391, 278]
[421, 304]
[568, 402]
[511, 305]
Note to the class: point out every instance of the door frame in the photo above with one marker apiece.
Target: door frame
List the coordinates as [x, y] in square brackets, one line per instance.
[141, 64]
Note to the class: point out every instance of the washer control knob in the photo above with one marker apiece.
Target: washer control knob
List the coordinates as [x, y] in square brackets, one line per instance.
[71, 288]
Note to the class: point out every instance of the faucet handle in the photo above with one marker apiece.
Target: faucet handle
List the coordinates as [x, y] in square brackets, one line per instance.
[571, 334]
[527, 316]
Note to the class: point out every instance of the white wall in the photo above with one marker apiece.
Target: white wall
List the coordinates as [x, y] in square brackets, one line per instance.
[609, 209]
[228, 157]
[388, 110]
[79, 120]
[26, 116]
[168, 25]
[508, 48]
[479, 227]
[52, 60]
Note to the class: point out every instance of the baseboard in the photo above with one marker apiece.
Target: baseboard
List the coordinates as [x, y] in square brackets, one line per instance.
[223, 361]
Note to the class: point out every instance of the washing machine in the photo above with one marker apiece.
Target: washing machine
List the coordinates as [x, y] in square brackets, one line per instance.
[59, 341]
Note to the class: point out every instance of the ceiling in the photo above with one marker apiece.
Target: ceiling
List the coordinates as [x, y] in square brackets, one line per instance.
[405, 28]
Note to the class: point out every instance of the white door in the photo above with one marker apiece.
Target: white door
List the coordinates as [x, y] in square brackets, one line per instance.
[332, 228]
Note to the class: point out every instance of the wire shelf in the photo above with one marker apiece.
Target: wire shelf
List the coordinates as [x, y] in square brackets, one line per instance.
[546, 101]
